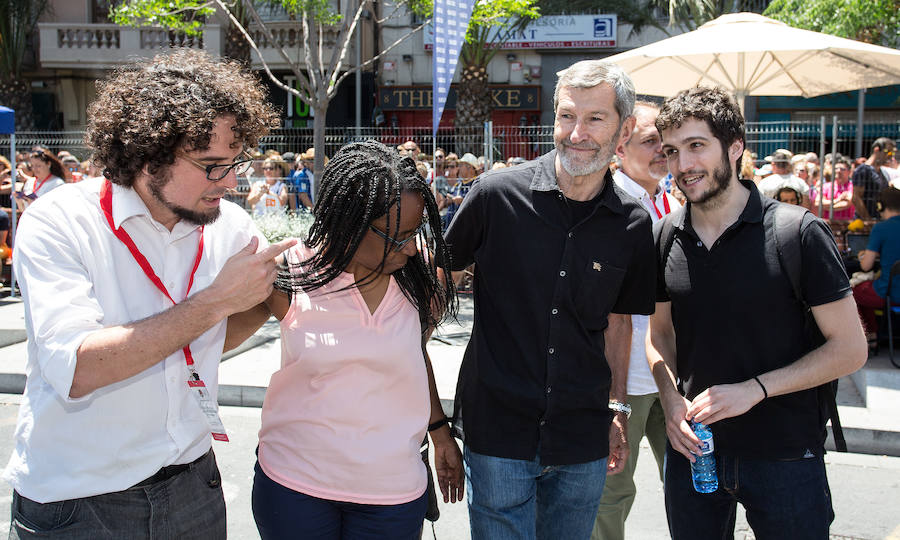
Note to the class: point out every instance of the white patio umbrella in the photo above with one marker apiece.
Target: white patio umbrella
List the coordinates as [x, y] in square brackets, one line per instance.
[752, 55]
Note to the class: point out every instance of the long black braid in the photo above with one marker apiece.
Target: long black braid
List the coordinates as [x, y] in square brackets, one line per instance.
[359, 185]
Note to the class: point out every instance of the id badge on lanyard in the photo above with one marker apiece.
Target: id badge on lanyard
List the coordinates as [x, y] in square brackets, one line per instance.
[196, 386]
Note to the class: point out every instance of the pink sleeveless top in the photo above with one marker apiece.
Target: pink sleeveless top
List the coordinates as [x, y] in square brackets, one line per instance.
[344, 417]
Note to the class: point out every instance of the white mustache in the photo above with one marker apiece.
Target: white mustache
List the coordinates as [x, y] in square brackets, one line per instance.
[580, 147]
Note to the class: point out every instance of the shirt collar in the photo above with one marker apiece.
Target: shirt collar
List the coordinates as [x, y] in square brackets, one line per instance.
[544, 179]
[127, 203]
[752, 213]
[628, 185]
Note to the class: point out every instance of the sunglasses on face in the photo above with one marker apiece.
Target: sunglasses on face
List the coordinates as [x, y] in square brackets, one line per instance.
[214, 173]
[398, 245]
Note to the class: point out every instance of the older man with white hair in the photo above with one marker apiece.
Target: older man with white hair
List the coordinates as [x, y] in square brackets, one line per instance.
[563, 258]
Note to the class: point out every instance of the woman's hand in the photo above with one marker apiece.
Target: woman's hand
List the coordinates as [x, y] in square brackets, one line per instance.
[448, 464]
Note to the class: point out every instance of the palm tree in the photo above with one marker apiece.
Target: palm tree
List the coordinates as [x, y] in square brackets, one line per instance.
[236, 46]
[18, 19]
[483, 41]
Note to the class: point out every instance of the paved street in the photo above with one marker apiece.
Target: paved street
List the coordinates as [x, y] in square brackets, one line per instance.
[866, 488]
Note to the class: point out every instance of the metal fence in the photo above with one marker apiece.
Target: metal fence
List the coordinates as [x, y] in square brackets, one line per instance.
[506, 141]
[801, 137]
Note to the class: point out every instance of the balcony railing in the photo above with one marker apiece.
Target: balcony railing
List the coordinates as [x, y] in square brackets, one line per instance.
[104, 46]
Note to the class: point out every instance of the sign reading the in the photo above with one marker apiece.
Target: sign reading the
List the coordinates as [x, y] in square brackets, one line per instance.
[394, 98]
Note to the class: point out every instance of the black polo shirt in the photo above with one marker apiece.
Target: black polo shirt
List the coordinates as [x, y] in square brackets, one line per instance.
[534, 379]
[735, 317]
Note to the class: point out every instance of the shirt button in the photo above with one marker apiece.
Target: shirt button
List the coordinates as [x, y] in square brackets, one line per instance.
[543, 422]
[551, 350]
[571, 235]
[554, 311]
[562, 273]
[699, 243]
[548, 389]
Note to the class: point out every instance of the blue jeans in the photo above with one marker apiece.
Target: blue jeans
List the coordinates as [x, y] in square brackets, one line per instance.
[281, 513]
[524, 500]
[783, 499]
[189, 505]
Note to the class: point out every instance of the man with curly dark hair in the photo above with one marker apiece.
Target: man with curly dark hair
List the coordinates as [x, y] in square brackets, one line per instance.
[133, 285]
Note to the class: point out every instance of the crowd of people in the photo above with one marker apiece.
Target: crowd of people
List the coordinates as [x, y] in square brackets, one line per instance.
[600, 269]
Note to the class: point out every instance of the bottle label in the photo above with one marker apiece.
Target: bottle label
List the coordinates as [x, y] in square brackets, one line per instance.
[708, 447]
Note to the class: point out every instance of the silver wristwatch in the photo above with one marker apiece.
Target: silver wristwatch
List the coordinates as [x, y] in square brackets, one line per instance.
[620, 407]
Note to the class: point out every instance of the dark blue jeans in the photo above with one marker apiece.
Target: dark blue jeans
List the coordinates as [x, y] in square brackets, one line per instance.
[282, 513]
[783, 499]
[514, 499]
[189, 505]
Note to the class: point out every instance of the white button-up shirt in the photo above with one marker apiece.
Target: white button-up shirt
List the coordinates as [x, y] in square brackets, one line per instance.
[640, 380]
[76, 278]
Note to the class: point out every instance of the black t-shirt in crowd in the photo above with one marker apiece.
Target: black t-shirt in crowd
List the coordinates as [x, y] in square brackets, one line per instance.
[534, 379]
[736, 317]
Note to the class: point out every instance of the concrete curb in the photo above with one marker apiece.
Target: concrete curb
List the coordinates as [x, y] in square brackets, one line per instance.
[860, 441]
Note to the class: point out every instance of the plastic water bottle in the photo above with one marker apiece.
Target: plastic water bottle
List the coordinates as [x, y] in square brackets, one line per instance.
[703, 470]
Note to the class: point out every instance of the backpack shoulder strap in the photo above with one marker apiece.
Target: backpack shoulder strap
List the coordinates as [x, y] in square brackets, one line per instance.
[785, 223]
[667, 235]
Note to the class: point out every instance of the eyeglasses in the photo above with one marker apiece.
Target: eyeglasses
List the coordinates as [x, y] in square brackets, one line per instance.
[398, 245]
[214, 173]
[268, 168]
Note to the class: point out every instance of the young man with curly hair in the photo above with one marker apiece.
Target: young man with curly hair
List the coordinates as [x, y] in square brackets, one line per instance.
[753, 380]
[133, 285]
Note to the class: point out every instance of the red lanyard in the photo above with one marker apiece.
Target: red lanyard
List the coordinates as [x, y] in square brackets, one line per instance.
[38, 187]
[121, 234]
[665, 205]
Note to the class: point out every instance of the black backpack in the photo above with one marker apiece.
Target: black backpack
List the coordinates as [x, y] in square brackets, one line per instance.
[782, 226]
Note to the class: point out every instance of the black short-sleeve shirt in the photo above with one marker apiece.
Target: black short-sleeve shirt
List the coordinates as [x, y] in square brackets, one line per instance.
[534, 379]
[736, 317]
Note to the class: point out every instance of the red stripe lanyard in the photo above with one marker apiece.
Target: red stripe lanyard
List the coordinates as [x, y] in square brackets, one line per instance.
[38, 187]
[665, 206]
[122, 234]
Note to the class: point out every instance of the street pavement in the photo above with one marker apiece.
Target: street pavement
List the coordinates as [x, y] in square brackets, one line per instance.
[865, 485]
[866, 488]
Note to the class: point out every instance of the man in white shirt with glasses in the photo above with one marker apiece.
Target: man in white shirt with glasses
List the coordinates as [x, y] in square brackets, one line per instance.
[133, 286]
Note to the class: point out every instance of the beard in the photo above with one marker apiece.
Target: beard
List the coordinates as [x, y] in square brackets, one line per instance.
[156, 185]
[600, 159]
[721, 178]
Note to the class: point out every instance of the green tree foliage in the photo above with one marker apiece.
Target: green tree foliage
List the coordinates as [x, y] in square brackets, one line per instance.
[185, 15]
[493, 23]
[872, 21]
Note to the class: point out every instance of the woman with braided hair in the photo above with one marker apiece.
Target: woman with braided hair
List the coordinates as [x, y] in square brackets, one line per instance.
[344, 417]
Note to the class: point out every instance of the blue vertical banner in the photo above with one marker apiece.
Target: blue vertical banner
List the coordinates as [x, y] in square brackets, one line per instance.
[450, 21]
